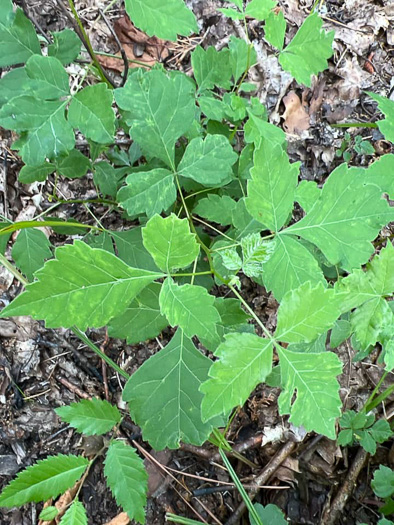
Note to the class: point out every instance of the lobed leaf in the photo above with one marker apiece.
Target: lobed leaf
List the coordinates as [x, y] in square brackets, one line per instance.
[82, 286]
[386, 106]
[275, 29]
[30, 250]
[66, 46]
[312, 377]
[216, 208]
[44, 480]
[127, 478]
[164, 398]
[260, 9]
[245, 360]
[211, 67]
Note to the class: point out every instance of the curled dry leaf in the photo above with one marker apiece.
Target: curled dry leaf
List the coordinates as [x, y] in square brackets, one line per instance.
[296, 118]
[137, 46]
[120, 519]
[62, 503]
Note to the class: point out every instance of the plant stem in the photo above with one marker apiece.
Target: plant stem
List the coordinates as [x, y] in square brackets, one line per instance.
[89, 45]
[173, 518]
[86, 201]
[374, 392]
[384, 395]
[11, 268]
[192, 274]
[143, 64]
[81, 335]
[21, 225]
[355, 125]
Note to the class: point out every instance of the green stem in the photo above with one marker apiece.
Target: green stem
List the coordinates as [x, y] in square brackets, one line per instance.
[374, 392]
[11, 268]
[89, 45]
[138, 62]
[41, 224]
[213, 228]
[173, 518]
[355, 125]
[86, 201]
[192, 274]
[384, 395]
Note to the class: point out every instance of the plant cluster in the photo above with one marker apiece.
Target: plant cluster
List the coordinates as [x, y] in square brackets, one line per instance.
[209, 192]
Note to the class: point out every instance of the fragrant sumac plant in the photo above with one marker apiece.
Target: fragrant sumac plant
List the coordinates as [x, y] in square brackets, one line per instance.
[208, 192]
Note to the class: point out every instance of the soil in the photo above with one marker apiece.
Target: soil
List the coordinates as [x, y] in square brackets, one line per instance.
[41, 369]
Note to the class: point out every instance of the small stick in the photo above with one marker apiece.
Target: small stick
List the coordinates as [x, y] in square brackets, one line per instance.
[72, 388]
[121, 49]
[335, 510]
[263, 477]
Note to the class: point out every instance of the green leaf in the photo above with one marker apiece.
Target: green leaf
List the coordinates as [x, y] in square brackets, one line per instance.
[74, 165]
[341, 331]
[275, 29]
[308, 52]
[94, 287]
[216, 208]
[386, 106]
[102, 240]
[245, 360]
[231, 13]
[383, 482]
[14, 83]
[153, 125]
[50, 75]
[242, 56]
[165, 20]
[148, 192]
[211, 67]
[306, 194]
[347, 216]
[131, 249]
[91, 417]
[381, 431]
[45, 479]
[270, 514]
[213, 108]
[380, 173]
[369, 320]
[142, 319]
[164, 395]
[243, 221]
[18, 39]
[272, 187]
[231, 259]
[48, 514]
[208, 161]
[312, 377]
[49, 134]
[127, 478]
[257, 129]
[190, 307]
[75, 515]
[290, 265]
[29, 174]
[255, 252]
[170, 242]
[66, 46]
[108, 178]
[91, 112]
[260, 9]
[30, 250]
[306, 312]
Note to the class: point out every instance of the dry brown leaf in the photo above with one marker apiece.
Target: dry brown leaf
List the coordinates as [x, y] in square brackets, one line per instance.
[64, 500]
[296, 119]
[137, 46]
[120, 519]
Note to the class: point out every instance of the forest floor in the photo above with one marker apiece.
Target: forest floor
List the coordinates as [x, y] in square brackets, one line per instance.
[52, 368]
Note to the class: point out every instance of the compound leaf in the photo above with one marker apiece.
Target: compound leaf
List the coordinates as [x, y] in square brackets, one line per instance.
[127, 478]
[49, 133]
[308, 52]
[164, 395]
[170, 242]
[307, 312]
[312, 377]
[255, 252]
[131, 249]
[91, 112]
[75, 515]
[82, 286]
[30, 250]
[90, 416]
[242, 56]
[347, 216]
[271, 190]
[208, 161]
[211, 67]
[216, 208]
[156, 126]
[386, 106]
[165, 20]
[50, 76]
[245, 360]
[289, 266]
[142, 319]
[148, 192]
[45, 479]
[108, 178]
[190, 307]
[29, 174]
[66, 46]
[260, 9]
[18, 39]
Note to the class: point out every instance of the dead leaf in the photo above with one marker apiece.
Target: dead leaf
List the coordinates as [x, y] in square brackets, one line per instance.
[120, 519]
[296, 118]
[137, 46]
[62, 503]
